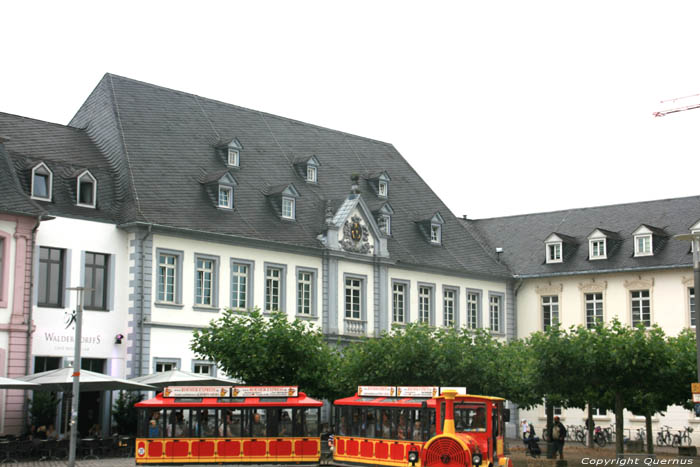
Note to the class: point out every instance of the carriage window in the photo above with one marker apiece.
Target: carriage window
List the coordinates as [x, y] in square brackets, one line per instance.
[469, 417]
[232, 422]
[205, 425]
[369, 423]
[387, 427]
[402, 427]
[177, 423]
[256, 423]
[154, 424]
[356, 425]
[343, 421]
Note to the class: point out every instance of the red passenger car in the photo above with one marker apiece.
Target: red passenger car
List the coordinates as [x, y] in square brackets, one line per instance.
[398, 426]
[224, 424]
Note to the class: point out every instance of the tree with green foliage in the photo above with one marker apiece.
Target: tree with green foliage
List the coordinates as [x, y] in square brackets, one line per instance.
[42, 408]
[125, 415]
[270, 350]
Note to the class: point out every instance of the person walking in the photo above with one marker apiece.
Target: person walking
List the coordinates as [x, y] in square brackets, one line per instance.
[558, 438]
[525, 428]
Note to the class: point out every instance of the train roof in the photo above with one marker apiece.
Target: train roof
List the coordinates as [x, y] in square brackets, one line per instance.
[411, 402]
[302, 400]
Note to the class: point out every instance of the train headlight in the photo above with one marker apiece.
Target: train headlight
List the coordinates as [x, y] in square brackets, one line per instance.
[413, 457]
[476, 458]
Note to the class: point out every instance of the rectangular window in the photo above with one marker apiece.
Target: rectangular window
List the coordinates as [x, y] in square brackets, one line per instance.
[204, 294]
[96, 284]
[353, 298]
[383, 189]
[273, 289]
[691, 305]
[239, 286]
[495, 313]
[399, 303]
[385, 224]
[641, 308]
[448, 308]
[554, 253]
[597, 249]
[557, 410]
[51, 277]
[203, 369]
[310, 173]
[233, 157]
[288, 208]
[304, 293]
[472, 310]
[167, 273]
[594, 309]
[435, 233]
[424, 302]
[226, 197]
[550, 310]
[600, 412]
[165, 366]
[642, 245]
[42, 364]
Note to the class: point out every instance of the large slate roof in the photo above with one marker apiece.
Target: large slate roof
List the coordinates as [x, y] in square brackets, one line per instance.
[522, 237]
[67, 152]
[12, 198]
[158, 145]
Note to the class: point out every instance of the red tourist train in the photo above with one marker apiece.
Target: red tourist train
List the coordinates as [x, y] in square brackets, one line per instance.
[272, 424]
[397, 426]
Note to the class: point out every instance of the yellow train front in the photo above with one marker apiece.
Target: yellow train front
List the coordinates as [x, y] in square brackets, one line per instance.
[399, 426]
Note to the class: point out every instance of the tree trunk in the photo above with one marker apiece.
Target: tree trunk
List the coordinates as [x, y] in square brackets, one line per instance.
[590, 426]
[650, 435]
[619, 424]
[549, 410]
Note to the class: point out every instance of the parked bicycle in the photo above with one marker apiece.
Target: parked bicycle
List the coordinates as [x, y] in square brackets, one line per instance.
[609, 433]
[664, 436]
[682, 438]
[641, 435]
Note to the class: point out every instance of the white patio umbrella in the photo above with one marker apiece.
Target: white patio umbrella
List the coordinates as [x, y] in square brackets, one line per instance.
[61, 380]
[181, 378]
[9, 383]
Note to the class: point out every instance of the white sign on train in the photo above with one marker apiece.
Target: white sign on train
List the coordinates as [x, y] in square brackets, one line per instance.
[265, 391]
[417, 391]
[197, 391]
[459, 389]
[377, 391]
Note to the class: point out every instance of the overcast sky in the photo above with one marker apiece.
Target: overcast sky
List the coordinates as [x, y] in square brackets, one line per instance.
[503, 107]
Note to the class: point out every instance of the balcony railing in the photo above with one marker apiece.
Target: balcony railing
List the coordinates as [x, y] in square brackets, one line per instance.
[355, 326]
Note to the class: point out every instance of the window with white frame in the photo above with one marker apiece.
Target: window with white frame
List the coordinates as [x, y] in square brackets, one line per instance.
[641, 308]
[691, 305]
[167, 278]
[234, 157]
[305, 293]
[239, 286]
[204, 293]
[642, 245]
[225, 197]
[288, 208]
[385, 223]
[311, 173]
[42, 181]
[557, 410]
[550, 310]
[87, 190]
[597, 249]
[495, 313]
[554, 252]
[448, 307]
[398, 307]
[163, 366]
[203, 369]
[424, 304]
[435, 234]
[273, 289]
[383, 189]
[599, 412]
[594, 309]
[472, 310]
[353, 298]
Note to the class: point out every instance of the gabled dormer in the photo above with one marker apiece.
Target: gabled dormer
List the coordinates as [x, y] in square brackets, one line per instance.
[602, 244]
[307, 168]
[220, 187]
[379, 182]
[383, 216]
[42, 182]
[559, 247]
[648, 240]
[284, 200]
[432, 228]
[86, 190]
[230, 151]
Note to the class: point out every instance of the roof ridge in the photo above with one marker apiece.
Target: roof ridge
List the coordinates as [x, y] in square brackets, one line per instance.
[583, 208]
[247, 109]
[43, 121]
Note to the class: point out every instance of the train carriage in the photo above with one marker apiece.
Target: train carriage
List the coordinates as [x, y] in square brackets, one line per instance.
[398, 426]
[272, 424]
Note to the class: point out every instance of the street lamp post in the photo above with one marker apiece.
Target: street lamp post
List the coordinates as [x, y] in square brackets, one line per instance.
[695, 238]
[75, 400]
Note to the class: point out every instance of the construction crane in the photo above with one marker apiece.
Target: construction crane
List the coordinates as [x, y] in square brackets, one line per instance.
[663, 113]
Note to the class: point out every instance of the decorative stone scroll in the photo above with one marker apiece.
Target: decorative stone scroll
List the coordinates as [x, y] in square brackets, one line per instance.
[551, 289]
[639, 284]
[593, 286]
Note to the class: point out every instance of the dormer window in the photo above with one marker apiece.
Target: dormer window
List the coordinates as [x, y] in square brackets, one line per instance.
[225, 197]
[432, 229]
[554, 252]
[379, 182]
[42, 182]
[87, 190]
[234, 156]
[383, 189]
[230, 151]
[597, 248]
[311, 174]
[288, 207]
[642, 245]
[385, 224]
[436, 234]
